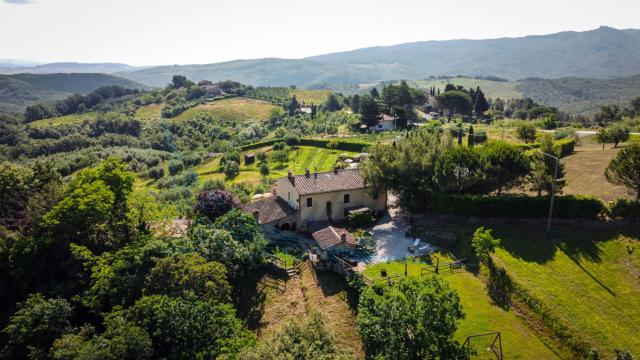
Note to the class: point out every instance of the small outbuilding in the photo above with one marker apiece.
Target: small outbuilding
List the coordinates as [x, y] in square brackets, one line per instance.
[249, 158]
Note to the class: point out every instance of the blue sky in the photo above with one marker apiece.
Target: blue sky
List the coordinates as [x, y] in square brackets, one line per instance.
[151, 32]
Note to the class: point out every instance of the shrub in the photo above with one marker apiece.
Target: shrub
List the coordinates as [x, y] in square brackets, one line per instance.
[213, 204]
[231, 169]
[625, 209]
[564, 147]
[360, 219]
[292, 139]
[156, 172]
[567, 206]
[175, 166]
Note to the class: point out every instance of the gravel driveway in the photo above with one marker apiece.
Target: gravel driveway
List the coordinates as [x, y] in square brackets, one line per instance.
[391, 242]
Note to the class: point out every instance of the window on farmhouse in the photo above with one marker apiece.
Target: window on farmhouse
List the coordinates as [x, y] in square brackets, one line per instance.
[346, 198]
[309, 202]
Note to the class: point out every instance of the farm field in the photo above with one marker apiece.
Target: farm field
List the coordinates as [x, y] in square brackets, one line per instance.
[481, 316]
[299, 159]
[586, 278]
[233, 109]
[67, 119]
[585, 172]
[281, 95]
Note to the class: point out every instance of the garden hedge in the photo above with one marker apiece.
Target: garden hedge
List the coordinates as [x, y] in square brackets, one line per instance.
[625, 209]
[567, 206]
[564, 147]
[344, 145]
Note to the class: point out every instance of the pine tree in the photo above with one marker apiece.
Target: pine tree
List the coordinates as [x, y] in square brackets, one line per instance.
[293, 106]
[480, 104]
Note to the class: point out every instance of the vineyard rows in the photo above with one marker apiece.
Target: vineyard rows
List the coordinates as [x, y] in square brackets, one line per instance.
[280, 95]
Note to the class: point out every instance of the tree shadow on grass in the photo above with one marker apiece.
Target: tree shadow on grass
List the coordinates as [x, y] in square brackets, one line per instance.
[250, 294]
[330, 283]
[526, 243]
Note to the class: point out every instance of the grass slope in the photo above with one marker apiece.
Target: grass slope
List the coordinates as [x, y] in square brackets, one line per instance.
[67, 119]
[481, 316]
[233, 109]
[149, 112]
[585, 277]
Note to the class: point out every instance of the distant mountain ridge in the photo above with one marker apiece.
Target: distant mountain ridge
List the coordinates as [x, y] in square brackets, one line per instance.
[602, 53]
[20, 90]
[10, 68]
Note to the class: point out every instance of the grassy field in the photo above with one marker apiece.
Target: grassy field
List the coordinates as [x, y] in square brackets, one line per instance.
[233, 109]
[67, 119]
[585, 172]
[299, 159]
[481, 315]
[149, 112]
[493, 89]
[589, 279]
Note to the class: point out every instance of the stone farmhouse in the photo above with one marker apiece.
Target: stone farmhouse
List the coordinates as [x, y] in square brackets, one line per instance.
[314, 202]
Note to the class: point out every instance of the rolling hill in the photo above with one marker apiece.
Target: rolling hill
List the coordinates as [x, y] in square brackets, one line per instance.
[20, 90]
[570, 94]
[9, 68]
[601, 53]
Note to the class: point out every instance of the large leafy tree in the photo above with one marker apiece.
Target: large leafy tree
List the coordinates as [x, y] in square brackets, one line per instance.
[624, 169]
[32, 329]
[457, 169]
[120, 340]
[188, 327]
[183, 273]
[608, 114]
[408, 168]
[504, 165]
[415, 318]
[332, 103]
[94, 209]
[455, 101]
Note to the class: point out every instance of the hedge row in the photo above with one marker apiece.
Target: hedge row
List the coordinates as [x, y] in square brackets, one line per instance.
[260, 144]
[564, 147]
[625, 209]
[345, 145]
[567, 206]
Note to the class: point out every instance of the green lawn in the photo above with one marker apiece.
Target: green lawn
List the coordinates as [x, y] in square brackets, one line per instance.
[586, 278]
[481, 316]
[299, 159]
[67, 119]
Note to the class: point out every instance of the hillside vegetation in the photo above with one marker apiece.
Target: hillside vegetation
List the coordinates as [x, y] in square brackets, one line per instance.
[19, 91]
[600, 53]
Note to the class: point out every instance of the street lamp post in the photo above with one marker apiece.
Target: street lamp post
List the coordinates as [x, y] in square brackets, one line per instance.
[555, 179]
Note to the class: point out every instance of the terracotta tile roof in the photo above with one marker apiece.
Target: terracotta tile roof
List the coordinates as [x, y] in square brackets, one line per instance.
[386, 117]
[269, 209]
[331, 236]
[329, 181]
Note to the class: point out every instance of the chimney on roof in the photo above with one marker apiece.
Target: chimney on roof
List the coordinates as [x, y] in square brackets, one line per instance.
[291, 178]
[343, 237]
[256, 215]
[335, 169]
[306, 172]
